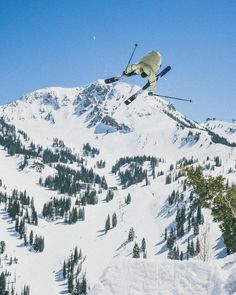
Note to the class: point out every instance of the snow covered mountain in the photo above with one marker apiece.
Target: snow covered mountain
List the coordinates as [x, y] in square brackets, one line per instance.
[225, 129]
[139, 150]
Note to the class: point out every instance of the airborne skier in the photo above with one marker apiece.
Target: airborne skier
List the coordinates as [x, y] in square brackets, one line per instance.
[147, 67]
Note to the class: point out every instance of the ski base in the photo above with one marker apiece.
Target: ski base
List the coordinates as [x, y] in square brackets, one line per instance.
[112, 80]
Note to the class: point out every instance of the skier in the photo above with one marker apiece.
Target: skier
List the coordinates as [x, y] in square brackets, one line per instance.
[147, 67]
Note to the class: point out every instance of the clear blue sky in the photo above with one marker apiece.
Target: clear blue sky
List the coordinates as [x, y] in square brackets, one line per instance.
[74, 42]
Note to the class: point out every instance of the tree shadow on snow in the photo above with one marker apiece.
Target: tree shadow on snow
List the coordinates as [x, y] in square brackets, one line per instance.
[220, 246]
[4, 215]
[166, 211]
[122, 245]
[101, 232]
[61, 282]
[162, 250]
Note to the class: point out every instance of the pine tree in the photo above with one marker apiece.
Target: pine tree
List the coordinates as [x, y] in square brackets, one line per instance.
[188, 247]
[114, 220]
[196, 229]
[80, 254]
[2, 247]
[107, 224]
[31, 238]
[136, 251]
[83, 286]
[146, 179]
[70, 284]
[143, 245]
[165, 237]
[128, 199]
[17, 224]
[131, 235]
[2, 284]
[76, 255]
[192, 250]
[171, 239]
[198, 247]
[25, 240]
[64, 270]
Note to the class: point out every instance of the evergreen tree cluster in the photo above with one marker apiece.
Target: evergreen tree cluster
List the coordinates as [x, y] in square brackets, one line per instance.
[60, 153]
[193, 248]
[175, 197]
[61, 208]
[11, 142]
[35, 241]
[193, 136]
[193, 216]
[137, 159]
[72, 272]
[57, 208]
[180, 123]
[20, 208]
[75, 215]
[173, 176]
[180, 220]
[38, 244]
[219, 139]
[69, 181]
[25, 291]
[90, 151]
[132, 175]
[101, 164]
[184, 162]
[221, 200]
[110, 222]
[109, 196]
[138, 250]
[20, 205]
[175, 254]
[89, 197]
[195, 220]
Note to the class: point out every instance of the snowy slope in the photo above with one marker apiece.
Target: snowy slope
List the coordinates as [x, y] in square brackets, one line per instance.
[95, 114]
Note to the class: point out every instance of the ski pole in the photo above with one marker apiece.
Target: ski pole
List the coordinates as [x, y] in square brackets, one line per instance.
[135, 46]
[172, 97]
[117, 78]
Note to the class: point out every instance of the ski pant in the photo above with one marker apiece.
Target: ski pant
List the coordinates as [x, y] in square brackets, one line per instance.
[143, 70]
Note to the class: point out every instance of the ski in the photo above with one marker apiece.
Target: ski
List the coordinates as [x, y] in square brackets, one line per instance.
[113, 79]
[140, 91]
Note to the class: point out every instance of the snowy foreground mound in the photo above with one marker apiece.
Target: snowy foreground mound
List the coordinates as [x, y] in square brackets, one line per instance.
[150, 277]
